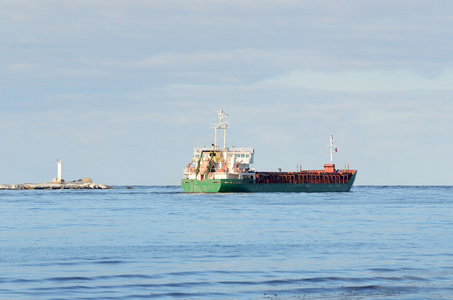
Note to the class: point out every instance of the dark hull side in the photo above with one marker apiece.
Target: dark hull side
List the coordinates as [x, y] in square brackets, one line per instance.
[243, 186]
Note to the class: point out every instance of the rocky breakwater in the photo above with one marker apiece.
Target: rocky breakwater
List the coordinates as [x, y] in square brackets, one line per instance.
[85, 183]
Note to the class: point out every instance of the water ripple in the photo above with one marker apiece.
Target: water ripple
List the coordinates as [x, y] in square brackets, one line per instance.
[156, 242]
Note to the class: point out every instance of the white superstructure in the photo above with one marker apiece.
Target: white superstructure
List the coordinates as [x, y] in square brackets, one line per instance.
[220, 163]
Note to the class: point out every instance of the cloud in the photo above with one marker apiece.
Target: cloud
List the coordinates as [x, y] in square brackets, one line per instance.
[25, 67]
[366, 80]
[144, 78]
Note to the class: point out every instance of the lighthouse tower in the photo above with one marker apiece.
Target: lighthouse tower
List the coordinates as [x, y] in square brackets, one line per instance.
[59, 178]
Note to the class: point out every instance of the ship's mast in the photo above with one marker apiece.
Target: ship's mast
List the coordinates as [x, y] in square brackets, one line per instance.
[331, 149]
[221, 125]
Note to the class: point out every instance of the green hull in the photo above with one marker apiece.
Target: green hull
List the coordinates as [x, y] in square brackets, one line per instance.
[243, 186]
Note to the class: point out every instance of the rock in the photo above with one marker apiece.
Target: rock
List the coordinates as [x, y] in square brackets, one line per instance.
[54, 186]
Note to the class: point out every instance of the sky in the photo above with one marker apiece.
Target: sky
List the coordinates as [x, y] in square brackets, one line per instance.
[122, 91]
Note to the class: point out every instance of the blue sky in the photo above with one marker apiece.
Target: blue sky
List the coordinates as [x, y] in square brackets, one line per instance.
[123, 90]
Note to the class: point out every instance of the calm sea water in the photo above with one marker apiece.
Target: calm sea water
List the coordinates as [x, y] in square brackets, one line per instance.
[157, 242]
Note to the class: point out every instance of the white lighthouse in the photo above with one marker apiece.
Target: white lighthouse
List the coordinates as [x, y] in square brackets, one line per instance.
[59, 170]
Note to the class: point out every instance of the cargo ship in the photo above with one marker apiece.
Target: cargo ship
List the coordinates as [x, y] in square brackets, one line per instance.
[218, 169]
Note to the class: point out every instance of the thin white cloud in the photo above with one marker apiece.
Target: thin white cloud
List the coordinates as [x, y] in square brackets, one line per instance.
[25, 67]
[183, 59]
[366, 80]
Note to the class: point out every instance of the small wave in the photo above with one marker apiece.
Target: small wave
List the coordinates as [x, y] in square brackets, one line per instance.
[364, 288]
[343, 292]
[132, 286]
[110, 262]
[150, 189]
[69, 279]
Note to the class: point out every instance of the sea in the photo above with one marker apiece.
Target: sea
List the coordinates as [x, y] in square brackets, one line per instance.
[375, 242]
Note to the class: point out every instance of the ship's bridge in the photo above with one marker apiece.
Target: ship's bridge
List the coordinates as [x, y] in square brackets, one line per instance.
[237, 155]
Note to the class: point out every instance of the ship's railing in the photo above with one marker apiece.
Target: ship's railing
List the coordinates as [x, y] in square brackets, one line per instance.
[250, 150]
[230, 150]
